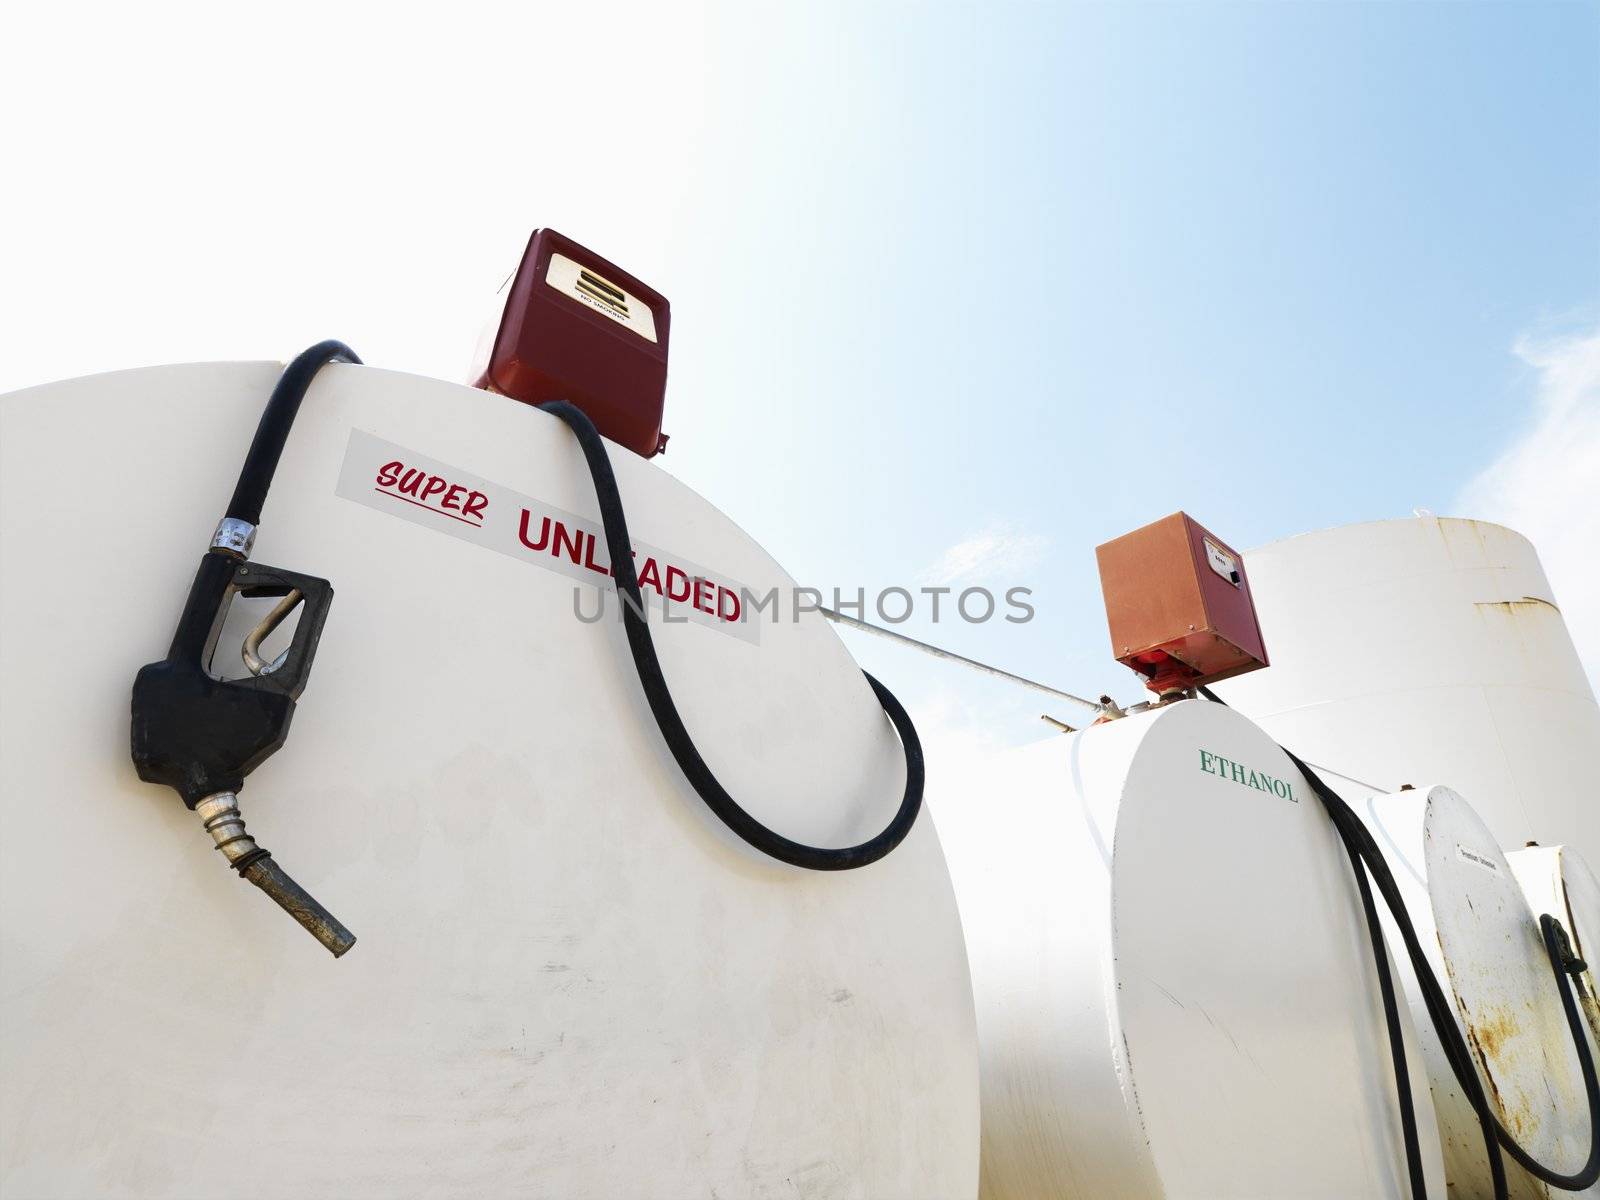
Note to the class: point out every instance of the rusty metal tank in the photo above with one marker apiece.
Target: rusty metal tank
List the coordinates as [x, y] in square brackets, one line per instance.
[1559, 880]
[1422, 649]
[1484, 941]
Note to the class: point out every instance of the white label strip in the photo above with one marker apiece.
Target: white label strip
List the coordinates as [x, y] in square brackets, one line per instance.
[1477, 859]
[446, 499]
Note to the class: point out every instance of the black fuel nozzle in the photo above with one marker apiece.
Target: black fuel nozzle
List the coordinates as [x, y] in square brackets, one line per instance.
[201, 735]
[1556, 939]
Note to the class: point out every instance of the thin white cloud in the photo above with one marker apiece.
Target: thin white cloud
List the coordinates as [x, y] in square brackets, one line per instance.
[1546, 485]
[994, 553]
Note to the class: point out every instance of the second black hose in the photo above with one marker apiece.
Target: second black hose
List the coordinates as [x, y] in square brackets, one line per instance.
[619, 546]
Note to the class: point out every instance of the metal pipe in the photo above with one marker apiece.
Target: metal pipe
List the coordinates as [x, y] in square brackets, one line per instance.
[952, 656]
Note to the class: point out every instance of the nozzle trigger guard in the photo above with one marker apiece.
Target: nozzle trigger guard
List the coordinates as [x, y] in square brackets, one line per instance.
[255, 580]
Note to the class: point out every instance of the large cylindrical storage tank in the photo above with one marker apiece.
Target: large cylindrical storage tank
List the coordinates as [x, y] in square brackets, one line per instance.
[1176, 994]
[571, 980]
[1428, 648]
[1486, 949]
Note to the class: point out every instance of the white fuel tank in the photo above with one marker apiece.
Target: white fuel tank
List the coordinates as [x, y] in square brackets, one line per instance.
[570, 980]
[1175, 989]
[1427, 648]
[1559, 880]
[1471, 916]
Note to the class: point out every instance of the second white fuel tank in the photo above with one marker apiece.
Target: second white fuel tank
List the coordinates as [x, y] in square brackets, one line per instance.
[1175, 991]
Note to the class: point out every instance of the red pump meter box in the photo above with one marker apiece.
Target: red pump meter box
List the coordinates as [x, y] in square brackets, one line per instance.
[1179, 606]
[576, 327]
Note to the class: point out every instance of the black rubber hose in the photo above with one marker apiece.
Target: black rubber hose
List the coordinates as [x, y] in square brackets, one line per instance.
[1440, 1010]
[620, 547]
[1391, 1020]
[1434, 999]
[1354, 833]
[261, 462]
[1356, 842]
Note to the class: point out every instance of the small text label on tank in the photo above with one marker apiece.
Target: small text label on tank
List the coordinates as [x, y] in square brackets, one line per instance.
[1477, 858]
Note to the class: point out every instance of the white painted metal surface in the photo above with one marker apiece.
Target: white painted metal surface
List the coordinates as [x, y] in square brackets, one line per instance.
[1427, 648]
[1472, 917]
[571, 980]
[1176, 998]
[1559, 880]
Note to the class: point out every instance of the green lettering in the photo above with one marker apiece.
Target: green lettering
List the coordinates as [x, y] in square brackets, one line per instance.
[1226, 768]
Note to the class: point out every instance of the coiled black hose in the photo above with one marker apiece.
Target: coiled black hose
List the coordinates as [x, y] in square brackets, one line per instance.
[1364, 851]
[1359, 846]
[620, 547]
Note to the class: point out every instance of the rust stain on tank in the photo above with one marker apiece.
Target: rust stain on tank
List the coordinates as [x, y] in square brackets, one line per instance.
[1514, 606]
[1477, 1048]
[1494, 1029]
[1490, 1033]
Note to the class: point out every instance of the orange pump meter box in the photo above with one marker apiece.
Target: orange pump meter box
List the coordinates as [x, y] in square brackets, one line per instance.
[1179, 606]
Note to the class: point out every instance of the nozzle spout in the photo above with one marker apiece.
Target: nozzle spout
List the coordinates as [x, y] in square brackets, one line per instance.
[300, 904]
[220, 813]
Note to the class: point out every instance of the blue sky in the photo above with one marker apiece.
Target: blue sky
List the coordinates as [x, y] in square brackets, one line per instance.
[1010, 278]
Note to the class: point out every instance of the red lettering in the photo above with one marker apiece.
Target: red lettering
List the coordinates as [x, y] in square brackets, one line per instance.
[410, 481]
[571, 539]
[522, 531]
[455, 491]
[476, 501]
[588, 556]
[703, 591]
[388, 473]
[650, 576]
[727, 594]
[671, 592]
[433, 487]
